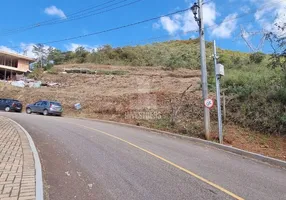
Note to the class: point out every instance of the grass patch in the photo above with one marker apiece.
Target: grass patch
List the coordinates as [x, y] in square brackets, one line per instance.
[115, 72]
[53, 71]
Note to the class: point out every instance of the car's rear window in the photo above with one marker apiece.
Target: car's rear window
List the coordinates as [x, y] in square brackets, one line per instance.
[56, 104]
[10, 100]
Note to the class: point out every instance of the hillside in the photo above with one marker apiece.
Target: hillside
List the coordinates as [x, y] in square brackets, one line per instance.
[255, 87]
[158, 86]
[171, 55]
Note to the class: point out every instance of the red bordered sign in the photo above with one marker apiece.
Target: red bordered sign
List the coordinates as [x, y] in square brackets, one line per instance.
[209, 103]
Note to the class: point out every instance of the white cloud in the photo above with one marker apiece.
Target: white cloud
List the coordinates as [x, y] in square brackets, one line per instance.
[156, 25]
[245, 9]
[74, 46]
[210, 14]
[185, 22]
[27, 49]
[226, 28]
[272, 12]
[24, 49]
[170, 25]
[7, 49]
[54, 11]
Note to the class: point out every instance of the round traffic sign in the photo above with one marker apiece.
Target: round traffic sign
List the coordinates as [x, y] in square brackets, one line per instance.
[209, 103]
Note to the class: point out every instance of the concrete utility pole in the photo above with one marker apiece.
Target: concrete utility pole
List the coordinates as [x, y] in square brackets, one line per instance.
[217, 78]
[197, 8]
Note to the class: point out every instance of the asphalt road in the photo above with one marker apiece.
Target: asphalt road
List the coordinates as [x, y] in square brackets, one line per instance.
[89, 160]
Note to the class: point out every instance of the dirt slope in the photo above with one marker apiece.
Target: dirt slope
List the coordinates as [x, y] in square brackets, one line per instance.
[148, 96]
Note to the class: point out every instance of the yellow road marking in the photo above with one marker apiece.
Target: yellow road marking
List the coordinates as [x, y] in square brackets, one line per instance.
[167, 161]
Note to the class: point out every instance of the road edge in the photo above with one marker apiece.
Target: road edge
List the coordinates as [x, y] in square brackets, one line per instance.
[255, 156]
[38, 167]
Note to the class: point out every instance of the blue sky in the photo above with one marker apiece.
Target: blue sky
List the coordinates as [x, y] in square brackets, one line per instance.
[253, 15]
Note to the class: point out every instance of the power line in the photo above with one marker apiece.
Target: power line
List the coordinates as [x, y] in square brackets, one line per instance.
[67, 15]
[85, 16]
[17, 48]
[114, 29]
[71, 14]
[144, 21]
[245, 14]
[77, 17]
[90, 8]
[72, 17]
[216, 25]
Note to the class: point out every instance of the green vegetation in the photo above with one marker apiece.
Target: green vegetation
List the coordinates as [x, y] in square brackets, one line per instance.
[254, 83]
[173, 54]
[115, 72]
[260, 90]
[37, 74]
[257, 57]
[52, 70]
[259, 97]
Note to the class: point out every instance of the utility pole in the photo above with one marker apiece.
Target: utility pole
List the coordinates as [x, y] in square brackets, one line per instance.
[217, 78]
[41, 60]
[197, 9]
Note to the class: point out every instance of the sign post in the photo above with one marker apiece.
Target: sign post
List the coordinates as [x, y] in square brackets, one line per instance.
[219, 71]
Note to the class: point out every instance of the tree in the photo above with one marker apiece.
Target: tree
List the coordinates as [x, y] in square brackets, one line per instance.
[278, 44]
[105, 48]
[56, 56]
[278, 58]
[81, 54]
[42, 54]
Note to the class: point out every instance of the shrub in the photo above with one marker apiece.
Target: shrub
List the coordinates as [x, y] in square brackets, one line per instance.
[257, 57]
[226, 61]
[281, 95]
[36, 74]
[116, 72]
[52, 71]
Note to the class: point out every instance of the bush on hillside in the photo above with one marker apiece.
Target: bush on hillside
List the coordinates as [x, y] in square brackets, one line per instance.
[257, 57]
[256, 98]
[256, 93]
[172, 54]
[36, 74]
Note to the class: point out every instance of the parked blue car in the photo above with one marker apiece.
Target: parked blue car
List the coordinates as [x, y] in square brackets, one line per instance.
[45, 108]
[10, 105]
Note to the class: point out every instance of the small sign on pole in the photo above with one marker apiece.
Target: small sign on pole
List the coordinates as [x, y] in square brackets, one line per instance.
[209, 103]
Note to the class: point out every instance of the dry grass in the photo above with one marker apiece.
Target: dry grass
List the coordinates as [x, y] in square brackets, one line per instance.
[144, 89]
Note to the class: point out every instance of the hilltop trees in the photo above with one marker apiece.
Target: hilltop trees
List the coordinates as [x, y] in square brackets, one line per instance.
[56, 56]
[80, 54]
[278, 44]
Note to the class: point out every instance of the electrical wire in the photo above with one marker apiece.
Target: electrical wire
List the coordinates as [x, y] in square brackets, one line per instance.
[71, 14]
[81, 17]
[72, 17]
[157, 38]
[243, 15]
[115, 28]
[144, 21]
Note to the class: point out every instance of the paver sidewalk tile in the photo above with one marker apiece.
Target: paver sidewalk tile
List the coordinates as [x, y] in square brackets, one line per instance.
[17, 166]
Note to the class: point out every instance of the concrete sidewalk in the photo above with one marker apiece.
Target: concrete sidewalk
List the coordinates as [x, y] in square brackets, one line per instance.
[17, 165]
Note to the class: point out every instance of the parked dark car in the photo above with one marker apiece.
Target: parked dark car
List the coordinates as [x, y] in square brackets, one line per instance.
[45, 108]
[10, 105]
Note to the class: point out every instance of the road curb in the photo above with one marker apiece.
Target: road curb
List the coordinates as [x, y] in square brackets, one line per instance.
[38, 167]
[255, 156]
